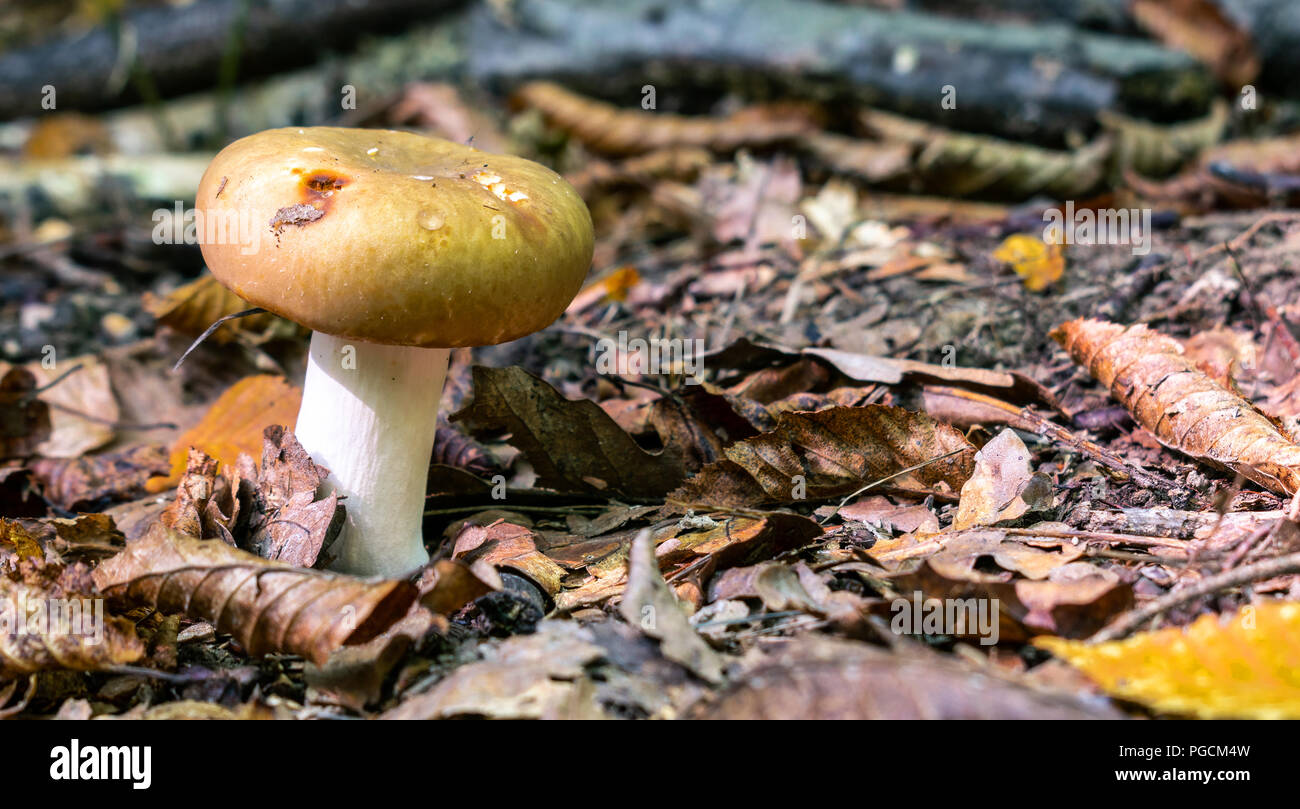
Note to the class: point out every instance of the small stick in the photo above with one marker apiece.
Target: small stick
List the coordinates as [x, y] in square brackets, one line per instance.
[1266, 569]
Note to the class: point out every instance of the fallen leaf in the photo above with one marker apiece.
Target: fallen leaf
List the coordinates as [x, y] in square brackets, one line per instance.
[1003, 485]
[1184, 408]
[572, 445]
[538, 676]
[24, 418]
[1203, 29]
[207, 502]
[1241, 666]
[832, 452]
[286, 522]
[506, 545]
[192, 308]
[649, 603]
[1038, 263]
[235, 423]
[77, 483]
[814, 677]
[43, 629]
[268, 606]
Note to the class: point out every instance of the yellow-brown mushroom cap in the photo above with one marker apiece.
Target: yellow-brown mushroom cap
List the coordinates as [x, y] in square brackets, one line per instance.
[392, 237]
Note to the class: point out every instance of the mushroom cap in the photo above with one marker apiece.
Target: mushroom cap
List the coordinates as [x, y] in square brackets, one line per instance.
[392, 237]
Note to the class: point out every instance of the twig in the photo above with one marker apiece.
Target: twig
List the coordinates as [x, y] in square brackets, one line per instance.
[1265, 569]
[256, 310]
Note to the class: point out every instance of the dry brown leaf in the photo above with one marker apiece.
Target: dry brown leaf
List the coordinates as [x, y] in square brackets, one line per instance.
[815, 677]
[76, 483]
[234, 424]
[649, 603]
[192, 308]
[832, 452]
[24, 418]
[506, 545]
[723, 543]
[82, 407]
[207, 502]
[267, 606]
[1184, 408]
[51, 628]
[573, 445]
[538, 676]
[286, 522]
[1003, 485]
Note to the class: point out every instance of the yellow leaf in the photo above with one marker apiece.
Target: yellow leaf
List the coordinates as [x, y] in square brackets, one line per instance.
[234, 424]
[1247, 666]
[1038, 263]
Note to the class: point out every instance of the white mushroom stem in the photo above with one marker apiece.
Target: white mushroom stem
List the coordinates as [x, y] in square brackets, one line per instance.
[369, 413]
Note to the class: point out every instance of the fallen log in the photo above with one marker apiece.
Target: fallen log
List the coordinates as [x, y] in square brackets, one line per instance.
[181, 48]
[1041, 83]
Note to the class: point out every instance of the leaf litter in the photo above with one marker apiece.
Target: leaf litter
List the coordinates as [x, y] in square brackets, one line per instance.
[879, 419]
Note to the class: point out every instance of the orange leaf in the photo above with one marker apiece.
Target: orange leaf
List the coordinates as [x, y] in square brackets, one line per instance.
[235, 422]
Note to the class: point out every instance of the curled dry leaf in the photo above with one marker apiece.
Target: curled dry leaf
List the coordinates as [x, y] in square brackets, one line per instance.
[286, 522]
[1241, 666]
[207, 502]
[605, 128]
[573, 445]
[43, 629]
[267, 606]
[833, 452]
[1183, 407]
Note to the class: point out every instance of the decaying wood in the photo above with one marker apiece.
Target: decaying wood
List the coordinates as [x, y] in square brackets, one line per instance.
[181, 47]
[851, 52]
[1183, 407]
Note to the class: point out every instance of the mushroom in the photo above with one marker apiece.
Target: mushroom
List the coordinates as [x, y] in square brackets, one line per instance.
[392, 248]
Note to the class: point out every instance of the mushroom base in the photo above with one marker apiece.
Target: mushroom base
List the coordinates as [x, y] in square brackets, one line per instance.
[368, 414]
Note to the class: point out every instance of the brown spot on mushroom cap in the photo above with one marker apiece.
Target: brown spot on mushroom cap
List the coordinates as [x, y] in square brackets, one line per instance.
[299, 215]
[511, 247]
